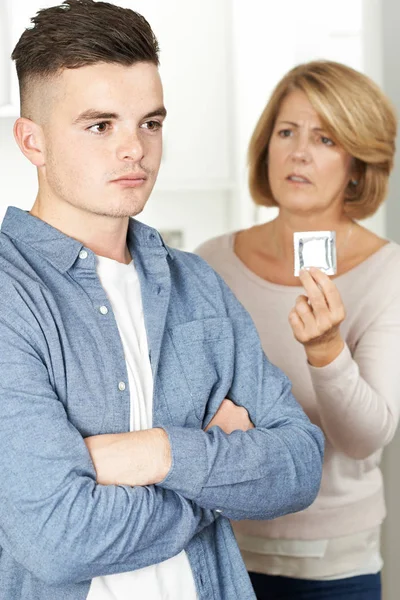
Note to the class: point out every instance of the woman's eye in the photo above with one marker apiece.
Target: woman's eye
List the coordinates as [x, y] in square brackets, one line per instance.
[284, 133]
[100, 127]
[327, 141]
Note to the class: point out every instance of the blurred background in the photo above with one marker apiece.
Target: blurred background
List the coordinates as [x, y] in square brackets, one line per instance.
[220, 60]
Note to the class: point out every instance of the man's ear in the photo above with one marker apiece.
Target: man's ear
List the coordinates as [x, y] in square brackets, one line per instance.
[30, 139]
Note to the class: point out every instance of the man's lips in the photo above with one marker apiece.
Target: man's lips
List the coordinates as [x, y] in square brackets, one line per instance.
[131, 180]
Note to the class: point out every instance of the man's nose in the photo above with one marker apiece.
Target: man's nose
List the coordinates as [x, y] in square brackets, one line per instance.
[131, 148]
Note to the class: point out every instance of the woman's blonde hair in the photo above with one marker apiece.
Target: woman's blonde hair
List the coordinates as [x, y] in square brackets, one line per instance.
[357, 115]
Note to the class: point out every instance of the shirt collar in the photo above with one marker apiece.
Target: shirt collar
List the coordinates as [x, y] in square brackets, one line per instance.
[59, 249]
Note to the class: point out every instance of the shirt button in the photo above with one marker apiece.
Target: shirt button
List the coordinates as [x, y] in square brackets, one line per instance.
[121, 386]
[103, 310]
[83, 254]
[217, 510]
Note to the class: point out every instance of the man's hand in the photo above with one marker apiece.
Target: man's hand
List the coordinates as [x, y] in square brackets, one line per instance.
[134, 458]
[230, 417]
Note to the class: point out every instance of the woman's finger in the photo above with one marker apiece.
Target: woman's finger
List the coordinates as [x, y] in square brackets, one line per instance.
[331, 293]
[314, 292]
[305, 313]
[297, 326]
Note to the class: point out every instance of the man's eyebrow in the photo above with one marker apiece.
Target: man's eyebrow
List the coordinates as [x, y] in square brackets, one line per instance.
[159, 112]
[95, 115]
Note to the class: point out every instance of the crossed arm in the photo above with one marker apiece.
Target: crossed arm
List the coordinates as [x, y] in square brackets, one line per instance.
[55, 519]
[144, 457]
[258, 472]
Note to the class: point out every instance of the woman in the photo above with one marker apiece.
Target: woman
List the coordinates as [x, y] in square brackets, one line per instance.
[322, 152]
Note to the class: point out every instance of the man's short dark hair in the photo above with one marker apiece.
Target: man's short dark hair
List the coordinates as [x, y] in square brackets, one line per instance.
[80, 33]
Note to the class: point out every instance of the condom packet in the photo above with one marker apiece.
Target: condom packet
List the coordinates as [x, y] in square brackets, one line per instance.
[315, 249]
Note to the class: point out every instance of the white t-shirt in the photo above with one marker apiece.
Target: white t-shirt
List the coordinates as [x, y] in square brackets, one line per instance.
[173, 578]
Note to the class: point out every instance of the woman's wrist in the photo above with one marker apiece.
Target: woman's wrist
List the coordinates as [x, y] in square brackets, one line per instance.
[321, 355]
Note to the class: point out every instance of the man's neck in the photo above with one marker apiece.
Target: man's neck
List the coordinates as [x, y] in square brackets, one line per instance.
[104, 235]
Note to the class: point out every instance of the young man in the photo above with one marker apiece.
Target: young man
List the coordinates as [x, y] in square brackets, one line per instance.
[137, 410]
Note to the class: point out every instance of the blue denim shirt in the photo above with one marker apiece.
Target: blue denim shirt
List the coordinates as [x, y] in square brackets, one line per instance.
[61, 363]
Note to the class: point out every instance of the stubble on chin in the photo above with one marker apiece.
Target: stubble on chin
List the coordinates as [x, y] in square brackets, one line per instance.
[130, 203]
[115, 203]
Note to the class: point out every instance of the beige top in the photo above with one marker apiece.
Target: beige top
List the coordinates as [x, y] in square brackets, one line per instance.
[355, 399]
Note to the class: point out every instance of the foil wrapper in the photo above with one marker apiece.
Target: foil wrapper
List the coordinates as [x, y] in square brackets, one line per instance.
[315, 249]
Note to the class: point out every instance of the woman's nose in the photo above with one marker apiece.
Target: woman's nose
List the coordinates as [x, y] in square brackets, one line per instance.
[301, 150]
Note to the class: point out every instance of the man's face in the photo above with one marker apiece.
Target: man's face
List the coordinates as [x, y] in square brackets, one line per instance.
[103, 138]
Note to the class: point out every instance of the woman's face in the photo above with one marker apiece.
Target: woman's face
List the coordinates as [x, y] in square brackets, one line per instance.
[308, 172]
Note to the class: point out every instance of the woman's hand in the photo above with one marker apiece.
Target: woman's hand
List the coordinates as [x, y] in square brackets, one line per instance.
[316, 317]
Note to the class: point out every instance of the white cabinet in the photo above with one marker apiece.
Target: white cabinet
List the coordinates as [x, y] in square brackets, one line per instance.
[14, 18]
[8, 103]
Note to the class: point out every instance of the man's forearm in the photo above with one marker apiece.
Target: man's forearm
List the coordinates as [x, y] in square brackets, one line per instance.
[132, 458]
[144, 457]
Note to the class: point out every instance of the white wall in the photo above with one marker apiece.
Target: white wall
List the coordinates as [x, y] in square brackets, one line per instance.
[390, 21]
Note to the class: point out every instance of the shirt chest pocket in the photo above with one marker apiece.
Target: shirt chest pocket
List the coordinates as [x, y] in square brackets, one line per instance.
[196, 369]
